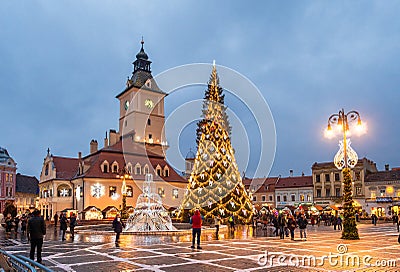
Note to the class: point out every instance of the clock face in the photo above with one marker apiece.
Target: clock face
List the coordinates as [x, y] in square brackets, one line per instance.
[126, 105]
[149, 103]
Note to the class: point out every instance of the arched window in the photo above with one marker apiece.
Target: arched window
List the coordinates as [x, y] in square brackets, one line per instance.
[46, 170]
[114, 167]
[129, 168]
[138, 169]
[158, 170]
[146, 169]
[166, 171]
[104, 166]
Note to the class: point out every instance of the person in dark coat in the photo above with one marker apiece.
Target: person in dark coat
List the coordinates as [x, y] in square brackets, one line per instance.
[55, 217]
[63, 225]
[16, 222]
[291, 224]
[72, 224]
[196, 221]
[302, 222]
[9, 223]
[36, 230]
[24, 222]
[374, 219]
[281, 225]
[118, 226]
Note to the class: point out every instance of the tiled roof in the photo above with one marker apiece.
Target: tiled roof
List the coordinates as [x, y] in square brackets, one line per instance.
[66, 167]
[133, 154]
[26, 184]
[383, 176]
[261, 184]
[318, 165]
[290, 182]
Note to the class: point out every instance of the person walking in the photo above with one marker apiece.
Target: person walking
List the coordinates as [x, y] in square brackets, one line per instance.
[291, 224]
[36, 231]
[334, 222]
[217, 222]
[339, 223]
[302, 222]
[118, 226]
[72, 224]
[9, 223]
[16, 226]
[55, 217]
[24, 222]
[281, 225]
[231, 221]
[63, 225]
[374, 219]
[196, 222]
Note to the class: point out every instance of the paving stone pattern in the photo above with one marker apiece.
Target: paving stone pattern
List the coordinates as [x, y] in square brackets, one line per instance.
[99, 253]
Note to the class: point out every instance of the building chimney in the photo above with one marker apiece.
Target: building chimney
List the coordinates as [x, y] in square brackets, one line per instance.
[113, 137]
[93, 147]
[387, 167]
[106, 141]
[80, 154]
[291, 172]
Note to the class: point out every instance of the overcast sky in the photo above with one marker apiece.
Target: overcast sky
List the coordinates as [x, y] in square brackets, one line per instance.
[63, 62]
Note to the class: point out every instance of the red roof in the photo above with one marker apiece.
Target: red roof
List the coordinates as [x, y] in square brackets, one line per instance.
[260, 184]
[133, 153]
[66, 167]
[290, 182]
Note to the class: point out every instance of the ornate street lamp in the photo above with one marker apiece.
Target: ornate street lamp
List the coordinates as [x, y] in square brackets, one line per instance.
[124, 175]
[345, 159]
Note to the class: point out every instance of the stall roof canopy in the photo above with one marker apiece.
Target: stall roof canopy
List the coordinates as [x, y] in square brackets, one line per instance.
[88, 208]
[318, 207]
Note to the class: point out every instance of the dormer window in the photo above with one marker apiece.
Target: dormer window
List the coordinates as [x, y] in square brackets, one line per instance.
[138, 169]
[148, 83]
[114, 167]
[146, 169]
[158, 170]
[105, 167]
[166, 171]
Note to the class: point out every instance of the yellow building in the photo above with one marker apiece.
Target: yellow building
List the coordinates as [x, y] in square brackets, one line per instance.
[91, 182]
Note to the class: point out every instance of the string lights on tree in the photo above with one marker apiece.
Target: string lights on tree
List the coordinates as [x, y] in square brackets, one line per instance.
[215, 185]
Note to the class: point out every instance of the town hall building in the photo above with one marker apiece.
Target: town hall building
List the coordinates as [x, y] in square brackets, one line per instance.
[91, 185]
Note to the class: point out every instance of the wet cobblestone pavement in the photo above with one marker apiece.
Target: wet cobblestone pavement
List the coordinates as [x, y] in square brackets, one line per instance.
[238, 252]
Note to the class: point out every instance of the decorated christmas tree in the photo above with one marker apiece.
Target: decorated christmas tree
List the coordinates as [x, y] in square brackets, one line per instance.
[350, 231]
[215, 185]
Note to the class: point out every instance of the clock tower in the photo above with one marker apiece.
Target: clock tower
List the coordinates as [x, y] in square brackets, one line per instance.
[142, 107]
